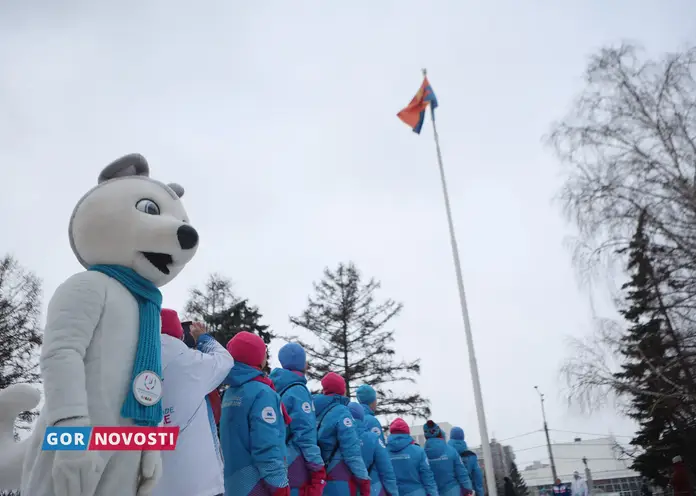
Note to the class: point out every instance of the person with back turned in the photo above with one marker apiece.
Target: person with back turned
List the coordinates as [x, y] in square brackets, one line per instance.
[451, 477]
[306, 472]
[338, 440]
[469, 459]
[375, 456]
[367, 397]
[252, 424]
[411, 467]
[188, 376]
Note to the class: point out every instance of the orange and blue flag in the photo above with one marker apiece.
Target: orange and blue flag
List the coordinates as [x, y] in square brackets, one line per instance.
[413, 114]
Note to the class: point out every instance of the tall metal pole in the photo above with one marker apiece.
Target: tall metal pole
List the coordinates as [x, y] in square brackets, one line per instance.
[478, 396]
[548, 439]
[588, 477]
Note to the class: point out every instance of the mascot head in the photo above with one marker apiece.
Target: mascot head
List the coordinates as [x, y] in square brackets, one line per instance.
[132, 220]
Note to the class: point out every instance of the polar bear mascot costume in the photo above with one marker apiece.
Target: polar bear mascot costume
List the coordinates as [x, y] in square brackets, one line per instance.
[101, 342]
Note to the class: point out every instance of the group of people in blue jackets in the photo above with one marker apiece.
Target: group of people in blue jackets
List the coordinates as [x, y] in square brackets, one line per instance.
[279, 440]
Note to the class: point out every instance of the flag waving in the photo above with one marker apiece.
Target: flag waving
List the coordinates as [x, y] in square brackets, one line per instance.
[414, 113]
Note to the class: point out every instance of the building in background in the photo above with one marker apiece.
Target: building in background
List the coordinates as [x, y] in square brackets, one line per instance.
[610, 474]
[503, 458]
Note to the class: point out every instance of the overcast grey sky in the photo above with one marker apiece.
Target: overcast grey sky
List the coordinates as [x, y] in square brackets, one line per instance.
[279, 120]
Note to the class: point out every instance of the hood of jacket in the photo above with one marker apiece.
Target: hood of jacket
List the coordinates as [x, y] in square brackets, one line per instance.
[435, 447]
[171, 348]
[242, 373]
[323, 402]
[458, 445]
[367, 410]
[282, 378]
[398, 442]
[359, 425]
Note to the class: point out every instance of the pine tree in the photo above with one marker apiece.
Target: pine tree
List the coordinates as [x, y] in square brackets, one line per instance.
[518, 481]
[240, 317]
[20, 332]
[224, 313]
[654, 374]
[351, 327]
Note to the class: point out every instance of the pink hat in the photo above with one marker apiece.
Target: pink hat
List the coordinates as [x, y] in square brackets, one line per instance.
[247, 348]
[333, 384]
[171, 325]
[399, 427]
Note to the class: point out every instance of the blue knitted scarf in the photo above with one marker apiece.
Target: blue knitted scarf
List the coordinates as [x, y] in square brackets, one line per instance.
[149, 353]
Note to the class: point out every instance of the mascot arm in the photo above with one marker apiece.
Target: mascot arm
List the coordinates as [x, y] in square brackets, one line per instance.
[73, 315]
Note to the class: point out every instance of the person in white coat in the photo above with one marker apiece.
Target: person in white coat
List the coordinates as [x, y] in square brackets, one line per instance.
[578, 486]
[195, 467]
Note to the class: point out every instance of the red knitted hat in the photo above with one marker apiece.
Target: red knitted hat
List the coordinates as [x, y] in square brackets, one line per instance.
[332, 383]
[247, 348]
[171, 325]
[399, 426]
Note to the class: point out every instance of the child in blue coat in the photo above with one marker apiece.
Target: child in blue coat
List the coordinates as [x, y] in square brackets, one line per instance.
[305, 466]
[367, 397]
[451, 477]
[375, 455]
[411, 467]
[252, 424]
[469, 459]
[338, 440]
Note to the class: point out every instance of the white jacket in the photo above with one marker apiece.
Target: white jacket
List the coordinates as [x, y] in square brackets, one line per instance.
[578, 487]
[195, 468]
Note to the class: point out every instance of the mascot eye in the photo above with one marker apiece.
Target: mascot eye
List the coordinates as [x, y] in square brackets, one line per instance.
[148, 207]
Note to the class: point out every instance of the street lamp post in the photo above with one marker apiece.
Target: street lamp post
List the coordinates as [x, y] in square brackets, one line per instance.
[548, 439]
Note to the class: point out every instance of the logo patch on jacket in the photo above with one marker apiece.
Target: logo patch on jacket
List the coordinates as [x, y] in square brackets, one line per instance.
[377, 431]
[306, 407]
[347, 422]
[268, 415]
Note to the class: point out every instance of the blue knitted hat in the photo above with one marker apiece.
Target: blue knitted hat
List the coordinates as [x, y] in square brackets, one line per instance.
[431, 429]
[357, 411]
[457, 433]
[292, 357]
[366, 394]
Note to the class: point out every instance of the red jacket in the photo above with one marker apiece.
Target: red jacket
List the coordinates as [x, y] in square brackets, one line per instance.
[681, 483]
[215, 404]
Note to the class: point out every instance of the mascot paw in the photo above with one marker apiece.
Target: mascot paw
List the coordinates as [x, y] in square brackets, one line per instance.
[150, 472]
[77, 473]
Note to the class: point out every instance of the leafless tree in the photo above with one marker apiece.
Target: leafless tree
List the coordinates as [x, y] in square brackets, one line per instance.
[591, 374]
[629, 148]
[20, 333]
[629, 145]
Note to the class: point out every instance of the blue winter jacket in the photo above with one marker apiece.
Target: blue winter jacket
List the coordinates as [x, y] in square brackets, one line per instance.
[376, 457]
[304, 455]
[339, 444]
[411, 467]
[252, 434]
[470, 461]
[371, 422]
[450, 474]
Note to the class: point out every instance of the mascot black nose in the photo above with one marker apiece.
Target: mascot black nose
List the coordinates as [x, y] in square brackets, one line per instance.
[188, 237]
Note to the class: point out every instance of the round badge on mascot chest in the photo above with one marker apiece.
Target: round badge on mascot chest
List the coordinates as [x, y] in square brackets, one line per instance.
[147, 388]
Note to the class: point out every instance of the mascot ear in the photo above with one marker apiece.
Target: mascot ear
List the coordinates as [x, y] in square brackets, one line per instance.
[177, 188]
[129, 165]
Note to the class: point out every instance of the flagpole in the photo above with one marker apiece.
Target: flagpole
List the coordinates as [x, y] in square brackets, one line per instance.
[478, 396]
